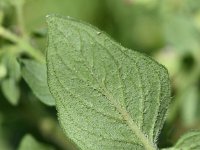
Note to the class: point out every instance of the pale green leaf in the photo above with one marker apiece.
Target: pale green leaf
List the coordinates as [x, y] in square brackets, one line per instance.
[12, 65]
[189, 106]
[13, 68]
[3, 71]
[189, 141]
[108, 97]
[35, 74]
[29, 143]
[11, 90]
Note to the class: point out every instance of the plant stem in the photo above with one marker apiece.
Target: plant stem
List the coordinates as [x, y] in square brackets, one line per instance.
[25, 47]
[20, 19]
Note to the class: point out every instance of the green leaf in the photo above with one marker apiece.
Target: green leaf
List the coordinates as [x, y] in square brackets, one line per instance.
[14, 68]
[29, 143]
[189, 106]
[189, 141]
[35, 74]
[107, 96]
[11, 90]
[3, 71]
[12, 65]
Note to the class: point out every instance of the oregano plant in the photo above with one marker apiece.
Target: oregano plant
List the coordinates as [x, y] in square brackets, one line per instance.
[67, 85]
[107, 96]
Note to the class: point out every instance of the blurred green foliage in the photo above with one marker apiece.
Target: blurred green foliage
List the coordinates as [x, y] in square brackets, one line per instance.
[29, 143]
[168, 30]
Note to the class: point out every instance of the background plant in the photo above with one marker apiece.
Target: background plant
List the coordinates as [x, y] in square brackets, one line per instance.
[167, 30]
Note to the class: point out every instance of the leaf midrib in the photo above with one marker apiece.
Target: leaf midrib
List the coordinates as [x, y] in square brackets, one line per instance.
[131, 142]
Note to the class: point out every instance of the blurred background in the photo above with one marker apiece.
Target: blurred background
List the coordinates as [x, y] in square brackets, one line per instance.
[167, 30]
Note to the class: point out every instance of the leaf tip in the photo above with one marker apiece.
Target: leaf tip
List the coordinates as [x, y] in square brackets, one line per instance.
[49, 18]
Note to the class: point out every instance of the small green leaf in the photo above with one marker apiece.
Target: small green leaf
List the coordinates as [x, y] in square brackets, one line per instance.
[189, 141]
[3, 71]
[29, 143]
[12, 65]
[107, 96]
[11, 90]
[190, 106]
[35, 75]
[14, 68]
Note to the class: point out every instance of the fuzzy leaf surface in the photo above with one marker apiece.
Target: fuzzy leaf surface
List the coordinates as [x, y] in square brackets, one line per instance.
[107, 96]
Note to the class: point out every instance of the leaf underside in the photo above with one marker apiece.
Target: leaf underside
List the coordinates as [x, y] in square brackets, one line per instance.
[35, 74]
[107, 96]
